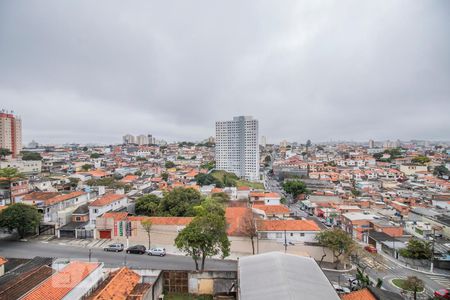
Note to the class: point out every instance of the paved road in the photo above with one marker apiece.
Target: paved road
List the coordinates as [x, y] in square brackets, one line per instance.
[387, 270]
[169, 262]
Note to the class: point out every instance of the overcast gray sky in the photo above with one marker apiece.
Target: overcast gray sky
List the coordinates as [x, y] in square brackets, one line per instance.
[92, 71]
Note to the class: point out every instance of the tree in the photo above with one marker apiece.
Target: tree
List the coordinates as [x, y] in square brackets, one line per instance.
[21, 217]
[73, 182]
[147, 205]
[221, 197]
[417, 249]
[138, 173]
[165, 176]
[413, 284]
[85, 149]
[193, 157]
[95, 155]
[378, 156]
[308, 143]
[169, 164]
[356, 192]
[208, 179]
[4, 152]
[180, 202]
[9, 176]
[295, 187]
[338, 241]
[248, 227]
[86, 167]
[27, 155]
[147, 225]
[362, 278]
[440, 171]
[420, 160]
[205, 235]
[208, 165]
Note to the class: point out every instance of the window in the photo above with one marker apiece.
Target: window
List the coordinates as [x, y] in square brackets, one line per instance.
[77, 218]
[278, 235]
[292, 234]
[302, 234]
[263, 235]
[95, 211]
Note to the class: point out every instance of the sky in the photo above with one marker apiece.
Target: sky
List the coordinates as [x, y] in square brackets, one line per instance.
[92, 71]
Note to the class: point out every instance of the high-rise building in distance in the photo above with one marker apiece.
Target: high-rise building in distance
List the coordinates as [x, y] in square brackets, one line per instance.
[10, 132]
[371, 144]
[237, 147]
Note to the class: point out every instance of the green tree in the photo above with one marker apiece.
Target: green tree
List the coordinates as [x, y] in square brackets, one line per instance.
[362, 278]
[140, 158]
[221, 197]
[147, 225]
[338, 241]
[4, 152]
[413, 284]
[95, 155]
[193, 157]
[295, 187]
[27, 155]
[8, 176]
[85, 149]
[208, 165]
[21, 217]
[420, 160]
[378, 156]
[73, 182]
[147, 205]
[138, 173]
[205, 235]
[441, 171]
[165, 176]
[417, 249]
[169, 164]
[86, 167]
[180, 202]
[207, 179]
[356, 192]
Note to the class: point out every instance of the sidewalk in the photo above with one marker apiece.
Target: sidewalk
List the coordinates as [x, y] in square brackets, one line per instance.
[438, 272]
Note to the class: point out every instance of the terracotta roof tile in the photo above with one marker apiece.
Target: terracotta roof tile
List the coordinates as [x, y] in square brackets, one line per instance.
[234, 216]
[291, 225]
[107, 199]
[118, 287]
[363, 294]
[60, 284]
[272, 209]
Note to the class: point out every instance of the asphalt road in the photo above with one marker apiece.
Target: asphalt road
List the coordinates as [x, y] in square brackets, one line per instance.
[31, 249]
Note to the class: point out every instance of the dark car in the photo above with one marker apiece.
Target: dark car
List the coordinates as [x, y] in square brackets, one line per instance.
[138, 249]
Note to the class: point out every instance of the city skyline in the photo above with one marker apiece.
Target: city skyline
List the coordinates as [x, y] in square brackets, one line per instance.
[316, 70]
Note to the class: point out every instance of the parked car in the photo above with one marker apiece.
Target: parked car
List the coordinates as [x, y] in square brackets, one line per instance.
[157, 251]
[340, 289]
[138, 249]
[442, 294]
[371, 249]
[114, 247]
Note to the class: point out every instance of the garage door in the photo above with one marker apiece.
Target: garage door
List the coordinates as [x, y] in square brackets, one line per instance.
[105, 234]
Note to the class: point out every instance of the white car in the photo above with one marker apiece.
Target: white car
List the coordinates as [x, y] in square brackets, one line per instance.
[156, 251]
[340, 289]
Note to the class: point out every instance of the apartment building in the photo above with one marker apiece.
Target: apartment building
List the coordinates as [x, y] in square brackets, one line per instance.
[11, 132]
[237, 147]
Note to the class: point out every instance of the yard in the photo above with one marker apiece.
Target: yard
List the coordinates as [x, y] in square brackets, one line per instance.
[400, 283]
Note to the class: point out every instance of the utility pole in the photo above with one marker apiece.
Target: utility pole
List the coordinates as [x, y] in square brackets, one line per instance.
[285, 242]
[90, 254]
[432, 250]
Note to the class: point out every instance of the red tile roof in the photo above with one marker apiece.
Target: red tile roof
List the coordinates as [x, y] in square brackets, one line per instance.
[50, 198]
[163, 220]
[272, 209]
[290, 225]
[119, 286]
[2, 260]
[61, 283]
[234, 217]
[107, 199]
[363, 294]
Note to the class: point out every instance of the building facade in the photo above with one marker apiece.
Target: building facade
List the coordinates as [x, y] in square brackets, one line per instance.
[237, 147]
[11, 133]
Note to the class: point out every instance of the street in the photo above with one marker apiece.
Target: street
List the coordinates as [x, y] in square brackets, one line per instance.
[111, 259]
[375, 266]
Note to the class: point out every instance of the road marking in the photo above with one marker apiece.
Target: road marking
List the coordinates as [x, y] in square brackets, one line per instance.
[439, 279]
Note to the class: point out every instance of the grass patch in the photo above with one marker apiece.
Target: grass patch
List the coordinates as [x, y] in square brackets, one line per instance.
[178, 296]
[230, 179]
[400, 283]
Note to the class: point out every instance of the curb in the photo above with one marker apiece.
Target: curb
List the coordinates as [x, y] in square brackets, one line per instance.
[412, 269]
[339, 271]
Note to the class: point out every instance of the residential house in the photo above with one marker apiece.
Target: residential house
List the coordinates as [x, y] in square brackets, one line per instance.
[291, 231]
[74, 281]
[56, 208]
[106, 203]
[271, 211]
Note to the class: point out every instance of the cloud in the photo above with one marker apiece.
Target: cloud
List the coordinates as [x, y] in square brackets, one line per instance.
[91, 72]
